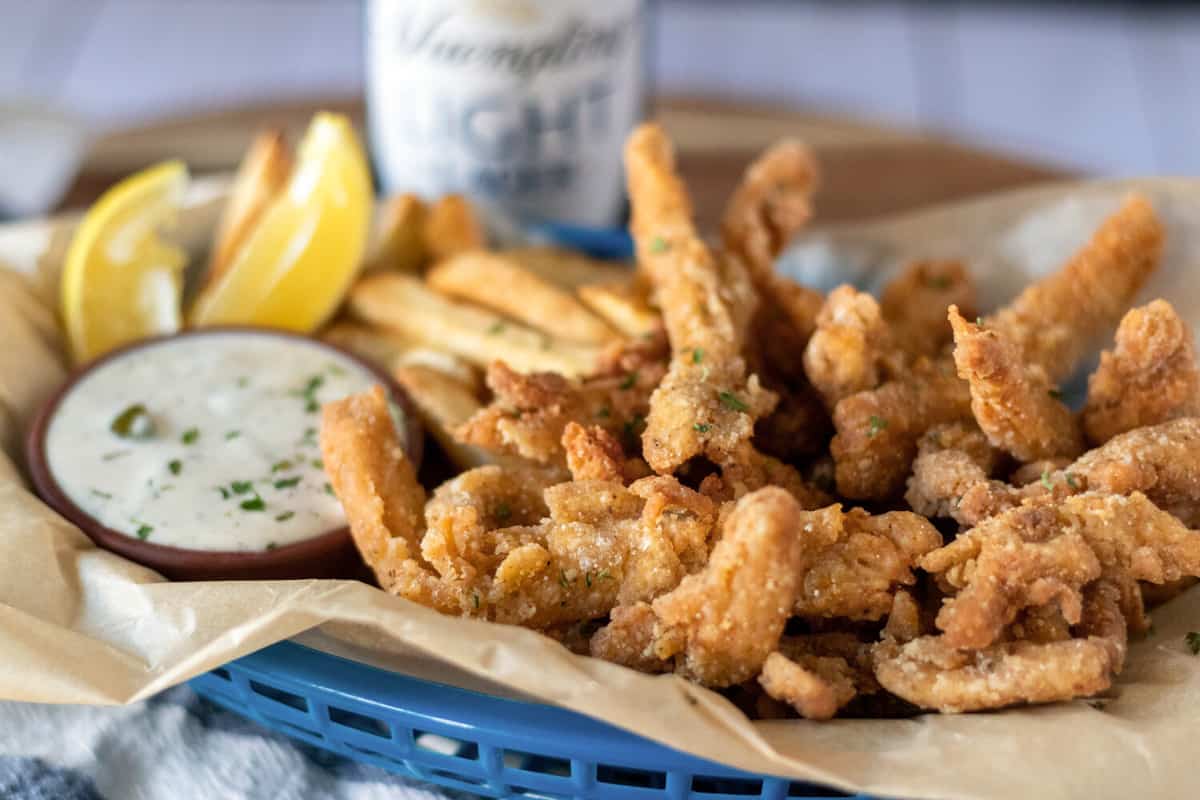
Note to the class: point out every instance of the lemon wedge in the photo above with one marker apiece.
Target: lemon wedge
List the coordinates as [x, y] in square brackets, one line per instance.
[297, 263]
[121, 282]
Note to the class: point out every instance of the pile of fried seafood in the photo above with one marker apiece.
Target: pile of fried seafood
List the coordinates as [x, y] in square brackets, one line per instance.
[818, 503]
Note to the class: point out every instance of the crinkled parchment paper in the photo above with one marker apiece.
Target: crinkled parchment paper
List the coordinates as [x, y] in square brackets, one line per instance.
[79, 625]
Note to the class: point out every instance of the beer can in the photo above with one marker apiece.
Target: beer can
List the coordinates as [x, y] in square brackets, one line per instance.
[522, 104]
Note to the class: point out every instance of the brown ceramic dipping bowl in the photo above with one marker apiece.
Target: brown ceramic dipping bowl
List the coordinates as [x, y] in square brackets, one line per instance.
[327, 555]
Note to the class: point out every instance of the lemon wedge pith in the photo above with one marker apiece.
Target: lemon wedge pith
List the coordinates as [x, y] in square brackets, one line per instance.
[121, 282]
[297, 263]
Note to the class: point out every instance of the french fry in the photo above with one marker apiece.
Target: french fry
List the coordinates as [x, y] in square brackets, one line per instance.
[624, 304]
[390, 349]
[566, 268]
[404, 304]
[260, 178]
[475, 276]
[443, 404]
[451, 227]
[399, 241]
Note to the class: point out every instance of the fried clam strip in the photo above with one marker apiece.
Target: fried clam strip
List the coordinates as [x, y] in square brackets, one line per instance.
[851, 349]
[1015, 405]
[1054, 323]
[914, 304]
[929, 673]
[1057, 321]
[595, 454]
[1037, 553]
[951, 460]
[870, 557]
[383, 500]
[1161, 461]
[705, 405]
[529, 413]
[878, 430]
[818, 674]
[1151, 376]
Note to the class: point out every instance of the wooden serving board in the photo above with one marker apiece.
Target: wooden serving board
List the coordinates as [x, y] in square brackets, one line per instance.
[867, 169]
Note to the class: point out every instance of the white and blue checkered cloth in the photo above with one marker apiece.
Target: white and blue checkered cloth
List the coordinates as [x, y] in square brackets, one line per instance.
[175, 746]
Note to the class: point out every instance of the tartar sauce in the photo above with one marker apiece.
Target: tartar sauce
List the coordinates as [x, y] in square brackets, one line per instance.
[205, 442]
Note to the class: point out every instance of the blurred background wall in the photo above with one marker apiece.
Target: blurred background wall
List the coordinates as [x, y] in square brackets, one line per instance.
[1107, 88]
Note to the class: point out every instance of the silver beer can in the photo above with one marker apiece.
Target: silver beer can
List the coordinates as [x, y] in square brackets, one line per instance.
[522, 104]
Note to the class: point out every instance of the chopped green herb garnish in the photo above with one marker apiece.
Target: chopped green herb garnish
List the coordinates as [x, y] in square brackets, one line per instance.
[175, 465]
[979, 321]
[241, 487]
[144, 531]
[732, 402]
[133, 423]
[604, 575]
[547, 342]
[318, 463]
[309, 437]
[1071, 482]
[99, 493]
[329, 489]
[697, 355]
[632, 429]
[604, 412]
[287, 483]
[629, 380]
[562, 579]
[224, 492]
[495, 327]
[272, 545]
[475, 598]
[503, 512]
[114, 455]
[243, 382]
[1046, 480]
[286, 515]
[232, 435]
[253, 504]
[587, 578]
[311, 406]
[700, 427]
[659, 245]
[875, 425]
[190, 436]
[335, 369]
[1193, 642]
[280, 466]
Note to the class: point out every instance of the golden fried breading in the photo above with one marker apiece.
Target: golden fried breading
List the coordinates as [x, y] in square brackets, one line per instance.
[928, 672]
[378, 488]
[1103, 617]
[530, 412]
[1151, 376]
[1034, 471]
[595, 454]
[1057, 320]
[816, 689]
[1014, 404]
[857, 575]
[904, 620]
[915, 302]
[851, 350]
[682, 516]
[722, 622]
[951, 459]
[752, 470]
[628, 639]
[877, 431]
[705, 405]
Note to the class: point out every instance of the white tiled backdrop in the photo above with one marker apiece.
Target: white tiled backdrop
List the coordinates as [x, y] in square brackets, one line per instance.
[1100, 87]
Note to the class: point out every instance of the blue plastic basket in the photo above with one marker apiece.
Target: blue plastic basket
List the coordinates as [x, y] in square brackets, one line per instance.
[466, 740]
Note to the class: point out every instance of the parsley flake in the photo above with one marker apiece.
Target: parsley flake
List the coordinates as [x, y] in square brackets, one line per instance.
[562, 579]
[241, 487]
[732, 402]
[224, 492]
[697, 355]
[133, 423]
[242, 382]
[175, 465]
[1071, 482]
[604, 412]
[700, 427]
[503, 512]
[475, 598]
[875, 424]
[280, 466]
[253, 504]
[1046, 480]
[271, 545]
[1193, 642]
[495, 328]
[329, 489]
[629, 380]
[659, 245]
[99, 493]
[979, 321]
[144, 531]
[318, 463]
[232, 435]
[286, 515]
[287, 483]
[190, 436]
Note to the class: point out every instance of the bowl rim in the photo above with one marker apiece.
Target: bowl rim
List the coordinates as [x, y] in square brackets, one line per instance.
[181, 559]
